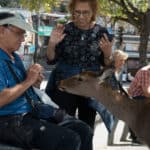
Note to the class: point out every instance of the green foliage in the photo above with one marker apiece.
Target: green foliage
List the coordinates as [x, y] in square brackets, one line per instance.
[9, 3]
[36, 5]
[109, 8]
[124, 10]
[63, 20]
[63, 8]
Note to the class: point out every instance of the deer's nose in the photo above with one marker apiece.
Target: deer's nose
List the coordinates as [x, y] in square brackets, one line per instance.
[61, 88]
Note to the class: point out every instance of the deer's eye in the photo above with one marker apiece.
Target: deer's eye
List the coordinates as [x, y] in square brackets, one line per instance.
[80, 79]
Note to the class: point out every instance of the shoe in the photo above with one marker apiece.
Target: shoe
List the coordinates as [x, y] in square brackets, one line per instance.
[136, 141]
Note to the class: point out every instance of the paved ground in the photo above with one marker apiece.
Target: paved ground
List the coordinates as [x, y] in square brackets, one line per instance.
[101, 138]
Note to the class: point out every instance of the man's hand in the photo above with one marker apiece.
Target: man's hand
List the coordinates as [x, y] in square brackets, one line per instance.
[34, 74]
[39, 81]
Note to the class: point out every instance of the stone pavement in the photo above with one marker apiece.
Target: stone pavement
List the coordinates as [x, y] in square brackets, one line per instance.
[101, 138]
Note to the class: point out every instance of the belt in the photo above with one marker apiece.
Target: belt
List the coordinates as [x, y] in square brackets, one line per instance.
[12, 116]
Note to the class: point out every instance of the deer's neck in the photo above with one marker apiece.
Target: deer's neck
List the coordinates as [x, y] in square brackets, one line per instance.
[120, 105]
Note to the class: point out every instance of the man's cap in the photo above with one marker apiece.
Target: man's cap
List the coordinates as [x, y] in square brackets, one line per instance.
[17, 20]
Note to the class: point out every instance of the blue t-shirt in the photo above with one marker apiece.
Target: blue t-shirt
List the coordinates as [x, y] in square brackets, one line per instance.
[19, 105]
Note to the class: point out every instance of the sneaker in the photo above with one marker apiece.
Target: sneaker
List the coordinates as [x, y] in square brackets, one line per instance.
[136, 141]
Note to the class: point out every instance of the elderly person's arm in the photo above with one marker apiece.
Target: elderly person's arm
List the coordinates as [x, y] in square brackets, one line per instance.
[146, 91]
[8, 95]
[57, 36]
[145, 83]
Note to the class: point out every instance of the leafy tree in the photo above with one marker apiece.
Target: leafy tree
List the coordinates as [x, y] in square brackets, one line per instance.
[135, 12]
[9, 3]
[46, 5]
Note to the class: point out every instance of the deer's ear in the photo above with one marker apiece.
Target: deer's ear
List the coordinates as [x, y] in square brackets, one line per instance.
[100, 81]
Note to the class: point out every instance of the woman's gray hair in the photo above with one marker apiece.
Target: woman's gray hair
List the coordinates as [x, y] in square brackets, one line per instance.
[119, 54]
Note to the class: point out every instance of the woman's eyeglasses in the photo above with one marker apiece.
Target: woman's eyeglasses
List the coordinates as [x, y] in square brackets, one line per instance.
[84, 13]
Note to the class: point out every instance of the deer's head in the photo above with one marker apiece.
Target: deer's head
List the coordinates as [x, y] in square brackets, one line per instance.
[80, 84]
[90, 84]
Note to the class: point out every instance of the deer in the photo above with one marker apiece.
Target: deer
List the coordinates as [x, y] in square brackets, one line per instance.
[106, 89]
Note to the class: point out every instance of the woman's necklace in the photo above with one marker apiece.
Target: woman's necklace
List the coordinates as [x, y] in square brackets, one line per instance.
[84, 35]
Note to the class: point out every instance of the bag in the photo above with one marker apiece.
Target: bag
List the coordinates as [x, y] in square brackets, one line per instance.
[48, 112]
[44, 97]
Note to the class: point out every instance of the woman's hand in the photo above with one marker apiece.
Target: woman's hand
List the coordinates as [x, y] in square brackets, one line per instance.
[106, 46]
[57, 34]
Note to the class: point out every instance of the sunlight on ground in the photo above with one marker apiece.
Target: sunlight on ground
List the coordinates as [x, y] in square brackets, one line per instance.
[101, 137]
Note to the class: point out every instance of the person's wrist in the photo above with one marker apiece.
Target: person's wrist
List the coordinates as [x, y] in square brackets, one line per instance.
[108, 60]
[52, 43]
[108, 57]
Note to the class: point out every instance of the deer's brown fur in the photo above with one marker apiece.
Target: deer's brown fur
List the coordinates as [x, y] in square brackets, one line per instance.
[136, 113]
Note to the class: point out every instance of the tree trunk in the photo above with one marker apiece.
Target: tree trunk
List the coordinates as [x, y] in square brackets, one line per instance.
[143, 48]
[144, 38]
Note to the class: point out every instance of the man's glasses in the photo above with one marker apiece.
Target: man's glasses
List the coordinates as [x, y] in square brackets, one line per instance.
[18, 34]
[85, 13]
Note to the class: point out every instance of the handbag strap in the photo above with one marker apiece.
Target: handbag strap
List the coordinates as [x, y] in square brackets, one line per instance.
[28, 98]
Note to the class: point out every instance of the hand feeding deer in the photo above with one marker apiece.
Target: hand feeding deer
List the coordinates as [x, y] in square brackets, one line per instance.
[106, 89]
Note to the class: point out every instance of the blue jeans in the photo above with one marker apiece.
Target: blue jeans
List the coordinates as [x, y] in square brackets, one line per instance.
[28, 133]
[139, 97]
[107, 117]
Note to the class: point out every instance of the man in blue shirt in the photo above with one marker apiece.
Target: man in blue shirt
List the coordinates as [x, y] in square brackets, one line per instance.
[17, 125]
